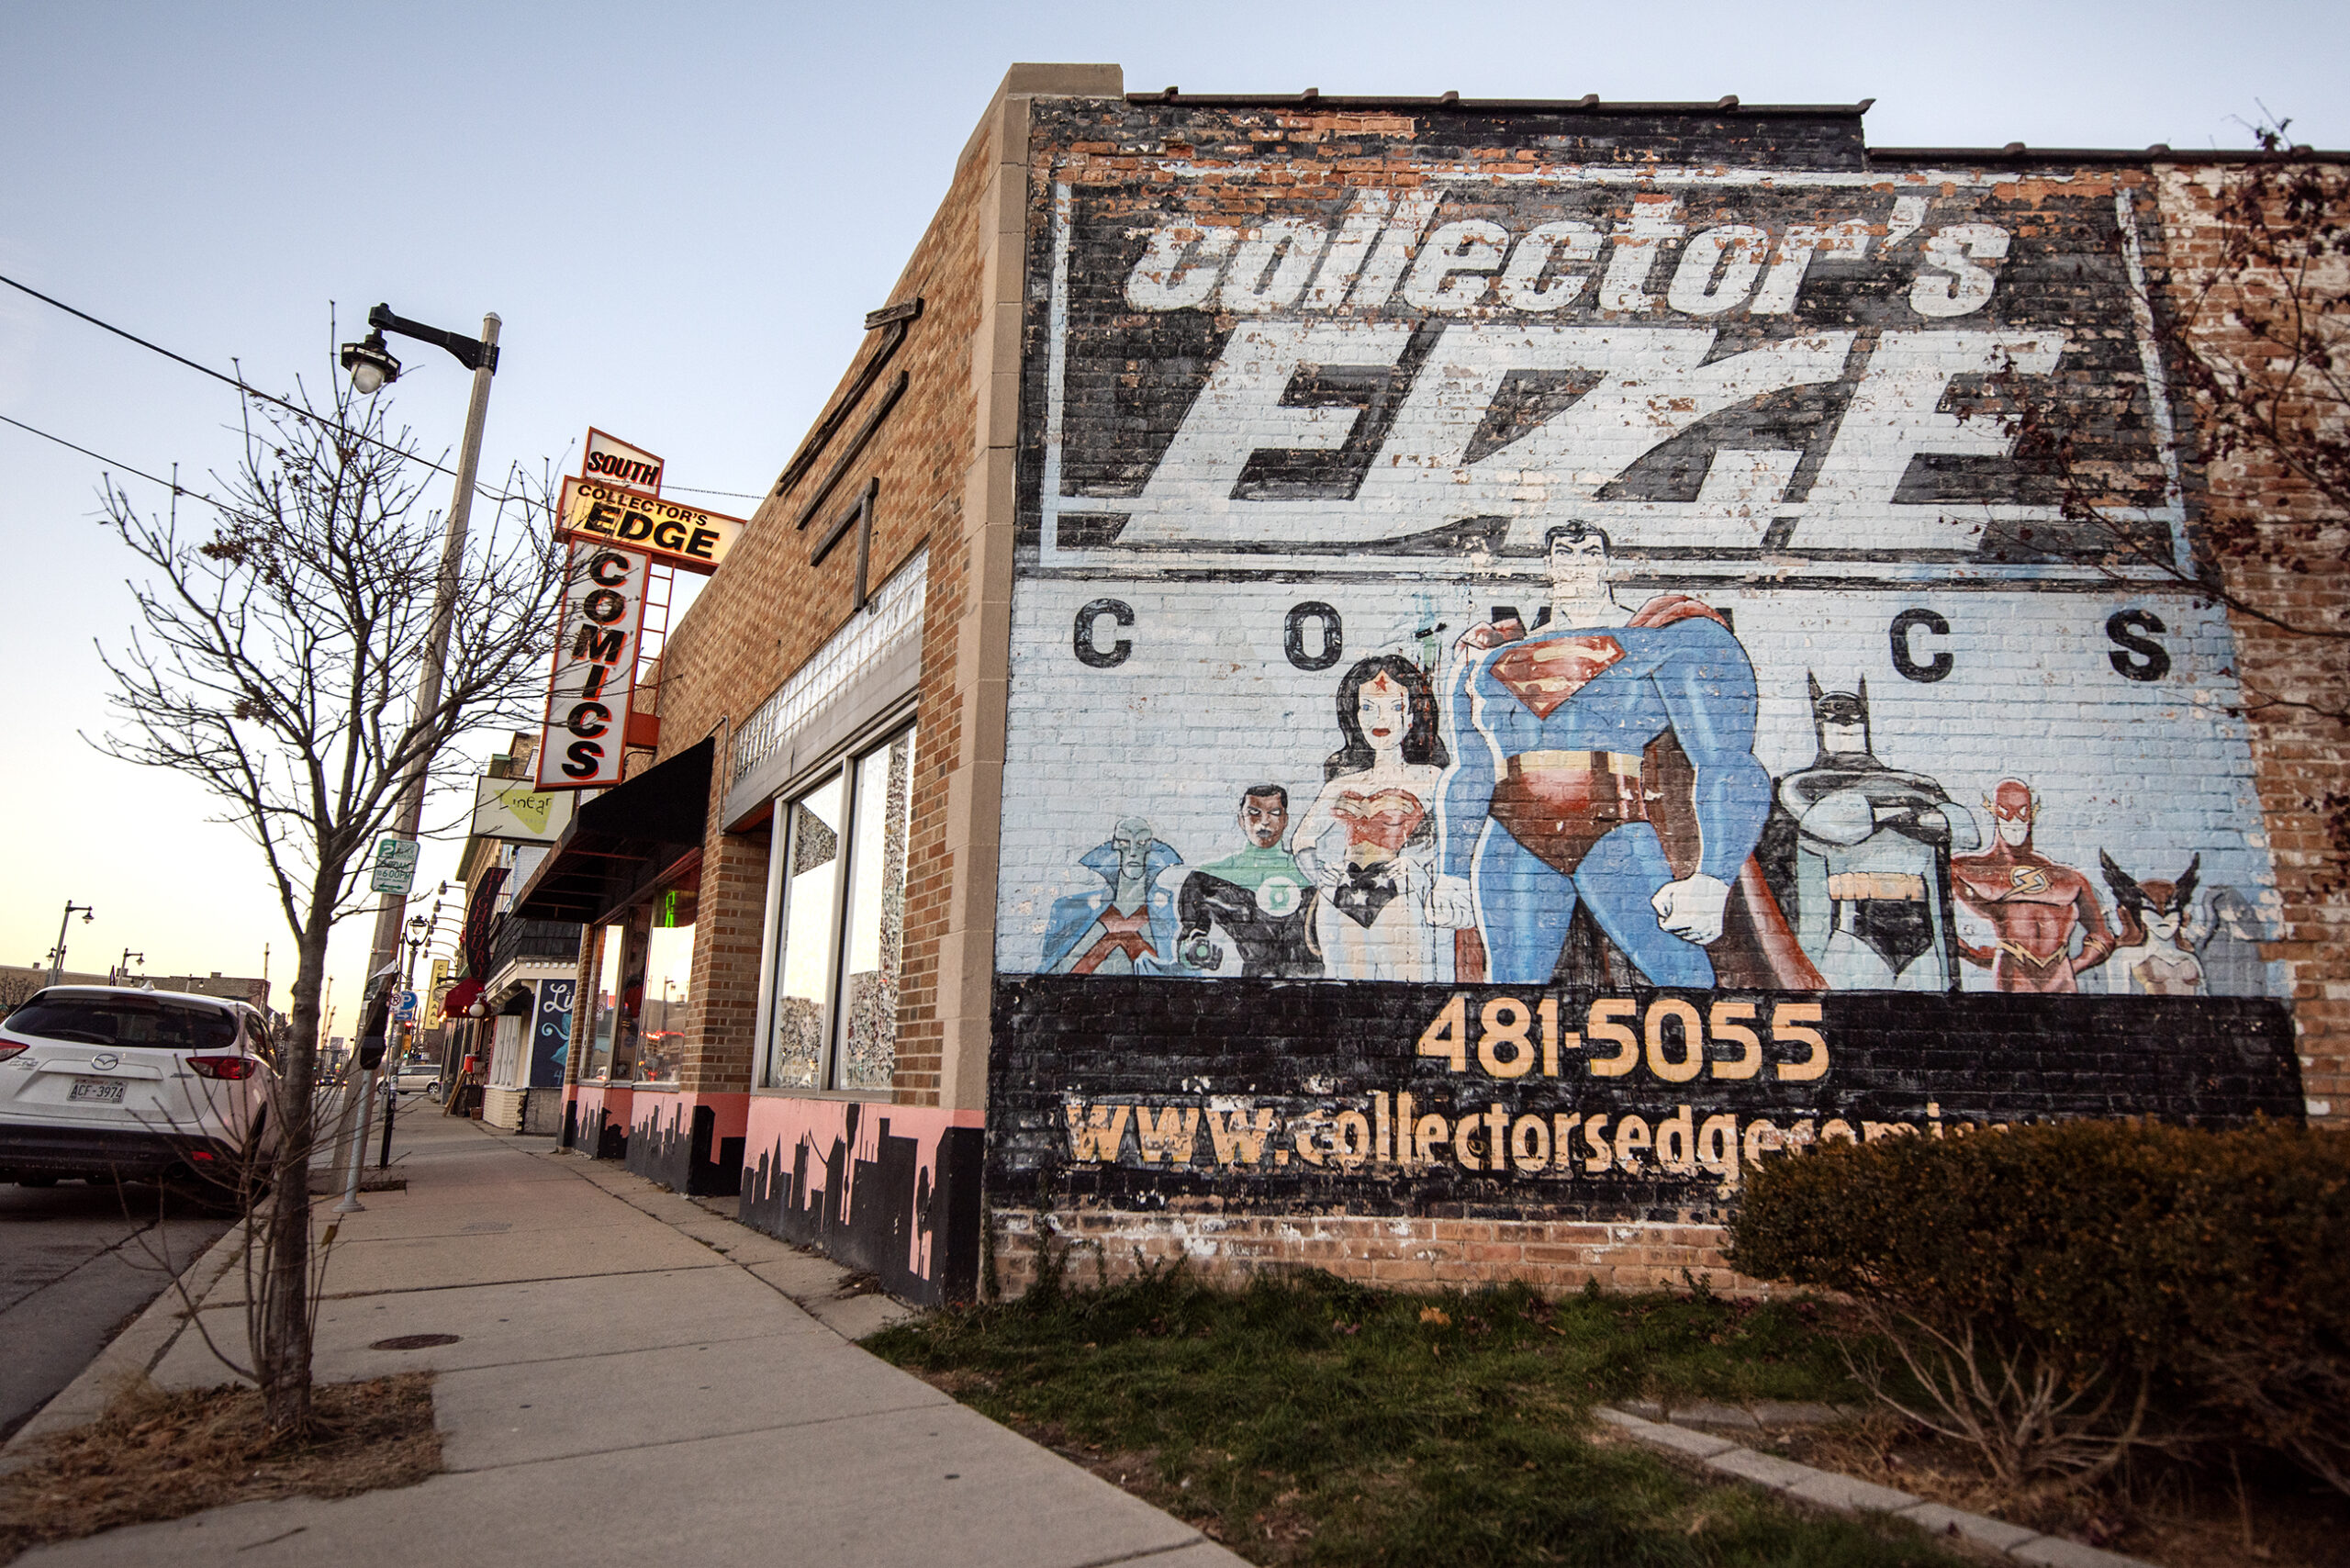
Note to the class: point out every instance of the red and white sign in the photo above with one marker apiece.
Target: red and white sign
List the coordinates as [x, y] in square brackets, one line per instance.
[596, 651]
[615, 462]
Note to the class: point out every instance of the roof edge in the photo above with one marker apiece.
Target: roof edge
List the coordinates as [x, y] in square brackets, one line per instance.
[1590, 103]
[2017, 153]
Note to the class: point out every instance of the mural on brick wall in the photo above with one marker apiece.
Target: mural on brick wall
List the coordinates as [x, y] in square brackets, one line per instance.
[890, 1189]
[1542, 584]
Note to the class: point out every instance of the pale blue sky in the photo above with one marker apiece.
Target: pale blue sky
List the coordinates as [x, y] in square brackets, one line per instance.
[682, 212]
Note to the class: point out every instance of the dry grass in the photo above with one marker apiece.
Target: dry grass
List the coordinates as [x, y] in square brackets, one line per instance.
[158, 1454]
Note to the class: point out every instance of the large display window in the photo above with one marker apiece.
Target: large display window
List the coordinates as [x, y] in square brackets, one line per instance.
[840, 881]
[668, 978]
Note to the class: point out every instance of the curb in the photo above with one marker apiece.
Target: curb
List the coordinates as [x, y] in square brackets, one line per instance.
[1845, 1495]
[131, 1354]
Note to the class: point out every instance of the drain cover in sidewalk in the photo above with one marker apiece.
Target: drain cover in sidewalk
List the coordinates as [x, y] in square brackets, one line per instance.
[415, 1341]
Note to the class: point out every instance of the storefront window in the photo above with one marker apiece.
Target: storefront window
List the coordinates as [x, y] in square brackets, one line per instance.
[668, 972]
[620, 1000]
[610, 940]
[804, 960]
[833, 1014]
[877, 916]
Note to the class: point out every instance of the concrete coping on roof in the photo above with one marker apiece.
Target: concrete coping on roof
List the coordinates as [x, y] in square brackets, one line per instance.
[1847, 1495]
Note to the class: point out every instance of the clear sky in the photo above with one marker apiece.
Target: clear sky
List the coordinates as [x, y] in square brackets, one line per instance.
[681, 213]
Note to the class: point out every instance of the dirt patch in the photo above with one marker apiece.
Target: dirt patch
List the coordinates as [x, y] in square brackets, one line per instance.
[158, 1454]
[2178, 1514]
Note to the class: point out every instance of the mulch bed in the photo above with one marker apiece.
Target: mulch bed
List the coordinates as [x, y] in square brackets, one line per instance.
[158, 1454]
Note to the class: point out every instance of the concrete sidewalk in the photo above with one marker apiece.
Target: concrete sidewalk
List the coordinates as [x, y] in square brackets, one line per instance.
[634, 1381]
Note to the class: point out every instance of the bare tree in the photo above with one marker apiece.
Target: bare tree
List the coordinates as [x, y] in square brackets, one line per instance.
[276, 658]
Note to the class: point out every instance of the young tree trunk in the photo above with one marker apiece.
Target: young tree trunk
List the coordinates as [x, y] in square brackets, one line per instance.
[281, 1347]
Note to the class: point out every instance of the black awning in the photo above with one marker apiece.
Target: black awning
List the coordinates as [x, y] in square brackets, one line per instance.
[622, 841]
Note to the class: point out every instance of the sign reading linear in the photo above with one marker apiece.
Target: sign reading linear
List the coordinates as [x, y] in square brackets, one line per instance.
[518, 811]
[595, 668]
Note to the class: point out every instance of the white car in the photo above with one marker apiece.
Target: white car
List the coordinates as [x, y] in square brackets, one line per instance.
[418, 1078]
[116, 1082]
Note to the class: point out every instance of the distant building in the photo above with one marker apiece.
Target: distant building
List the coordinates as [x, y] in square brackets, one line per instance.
[233, 987]
[20, 981]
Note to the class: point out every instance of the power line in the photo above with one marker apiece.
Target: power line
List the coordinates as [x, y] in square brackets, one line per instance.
[249, 390]
[171, 485]
[735, 495]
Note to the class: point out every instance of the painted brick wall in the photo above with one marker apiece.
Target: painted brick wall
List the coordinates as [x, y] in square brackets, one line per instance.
[1306, 391]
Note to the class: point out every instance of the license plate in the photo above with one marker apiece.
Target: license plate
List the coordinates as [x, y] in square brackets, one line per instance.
[105, 1089]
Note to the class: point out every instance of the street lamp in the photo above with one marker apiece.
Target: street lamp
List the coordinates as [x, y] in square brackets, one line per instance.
[371, 367]
[57, 957]
[124, 972]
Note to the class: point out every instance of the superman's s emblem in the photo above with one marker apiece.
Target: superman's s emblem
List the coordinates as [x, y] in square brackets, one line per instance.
[1544, 674]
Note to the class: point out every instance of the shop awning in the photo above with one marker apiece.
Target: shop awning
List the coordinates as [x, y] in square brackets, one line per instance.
[622, 841]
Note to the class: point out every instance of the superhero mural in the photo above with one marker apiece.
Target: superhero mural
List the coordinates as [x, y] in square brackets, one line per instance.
[1583, 584]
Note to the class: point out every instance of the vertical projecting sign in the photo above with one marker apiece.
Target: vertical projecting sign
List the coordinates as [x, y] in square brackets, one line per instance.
[595, 668]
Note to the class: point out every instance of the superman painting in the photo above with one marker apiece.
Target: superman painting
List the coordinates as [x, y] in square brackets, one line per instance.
[1604, 760]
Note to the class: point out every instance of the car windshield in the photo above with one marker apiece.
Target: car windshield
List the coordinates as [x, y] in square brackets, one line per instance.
[143, 1021]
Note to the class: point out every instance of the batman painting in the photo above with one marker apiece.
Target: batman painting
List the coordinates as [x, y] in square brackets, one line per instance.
[1859, 852]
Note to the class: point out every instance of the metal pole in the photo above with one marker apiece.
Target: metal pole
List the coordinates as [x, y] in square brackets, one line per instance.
[385, 948]
[391, 1098]
[350, 1204]
[57, 967]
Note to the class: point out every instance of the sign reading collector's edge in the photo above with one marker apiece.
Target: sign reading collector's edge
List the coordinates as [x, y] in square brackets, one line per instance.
[1394, 1097]
[1808, 365]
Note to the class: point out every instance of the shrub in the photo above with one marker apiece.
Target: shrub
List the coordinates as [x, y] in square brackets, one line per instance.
[2059, 1293]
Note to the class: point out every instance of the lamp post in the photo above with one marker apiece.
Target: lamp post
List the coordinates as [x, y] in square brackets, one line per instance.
[372, 367]
[57, 956]
[124, 972]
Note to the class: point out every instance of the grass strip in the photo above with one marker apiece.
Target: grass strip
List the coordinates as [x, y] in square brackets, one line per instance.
[1304, 1419]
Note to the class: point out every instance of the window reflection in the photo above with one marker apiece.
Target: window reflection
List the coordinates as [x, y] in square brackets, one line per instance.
[605, 1025]
[804, 955]
[841, 925]
[668, 975]
[877, 916]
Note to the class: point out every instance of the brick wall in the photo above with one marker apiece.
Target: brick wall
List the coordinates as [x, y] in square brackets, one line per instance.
[1306, 389]
[2300, 754]
[1404, 1251]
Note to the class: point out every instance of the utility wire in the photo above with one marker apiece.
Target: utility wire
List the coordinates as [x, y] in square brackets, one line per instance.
[249, 390]
[171, 485]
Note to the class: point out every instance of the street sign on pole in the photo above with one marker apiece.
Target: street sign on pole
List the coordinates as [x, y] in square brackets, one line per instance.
[394, 866]
[407, 1012]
